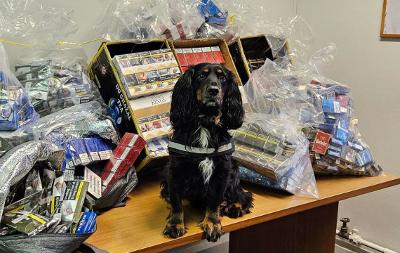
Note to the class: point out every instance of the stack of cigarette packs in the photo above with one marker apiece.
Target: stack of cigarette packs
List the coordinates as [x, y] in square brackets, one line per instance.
[192, 56]
[148, 78]
[147, 73]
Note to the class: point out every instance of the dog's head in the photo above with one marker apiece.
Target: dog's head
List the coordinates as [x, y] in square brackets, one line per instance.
[207, 90]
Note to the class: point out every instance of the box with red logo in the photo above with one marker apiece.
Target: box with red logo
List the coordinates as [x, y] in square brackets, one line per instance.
[123, 158]
[321, 142]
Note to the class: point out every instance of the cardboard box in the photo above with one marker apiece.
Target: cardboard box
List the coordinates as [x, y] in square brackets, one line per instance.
[250, 53]
[129, 114]
[204, 50]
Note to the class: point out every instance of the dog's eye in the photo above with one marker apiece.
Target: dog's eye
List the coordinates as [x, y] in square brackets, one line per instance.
[202, 76]
[222, 78]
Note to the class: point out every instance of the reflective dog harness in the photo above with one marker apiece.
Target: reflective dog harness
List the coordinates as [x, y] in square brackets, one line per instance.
[174, 147]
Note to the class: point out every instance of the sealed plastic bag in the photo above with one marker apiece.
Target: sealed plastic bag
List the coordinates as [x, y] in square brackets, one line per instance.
[55, 79]
[15, 105]
[270, 144]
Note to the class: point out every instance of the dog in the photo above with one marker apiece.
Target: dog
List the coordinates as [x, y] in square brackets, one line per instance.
[206, 103]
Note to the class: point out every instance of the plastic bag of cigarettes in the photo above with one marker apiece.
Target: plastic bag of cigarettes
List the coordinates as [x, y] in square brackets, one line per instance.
[79, 121]
[15, 105]
[270, 144]
[218, 23]
[147, 73]
[273, 155]
[336, 146]
[154, 19]
[54, 84]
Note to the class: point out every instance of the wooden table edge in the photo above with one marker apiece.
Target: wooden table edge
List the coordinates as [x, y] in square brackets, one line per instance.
[175, 243]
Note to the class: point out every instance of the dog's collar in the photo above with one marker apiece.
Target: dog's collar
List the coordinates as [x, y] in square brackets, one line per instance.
[179, 148]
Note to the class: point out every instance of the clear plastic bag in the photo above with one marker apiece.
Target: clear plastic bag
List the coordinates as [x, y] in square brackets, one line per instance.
[284, 94]
[56, 79]
[144, 19]
[34, 22]
[84, 120]
[16, 109]
[275, 154]
[270, 144]
[14, 165]
[321, 107]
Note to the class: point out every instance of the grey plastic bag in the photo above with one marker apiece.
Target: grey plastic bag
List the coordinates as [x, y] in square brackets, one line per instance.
[45, 243]
[117, 194]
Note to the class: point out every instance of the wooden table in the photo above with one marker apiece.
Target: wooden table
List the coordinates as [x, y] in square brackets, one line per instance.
[278, 223]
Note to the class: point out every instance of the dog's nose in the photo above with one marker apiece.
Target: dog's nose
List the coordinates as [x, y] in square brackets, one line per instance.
[213, 91]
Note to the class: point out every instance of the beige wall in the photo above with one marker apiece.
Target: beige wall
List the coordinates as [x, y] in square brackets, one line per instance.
[371, 67]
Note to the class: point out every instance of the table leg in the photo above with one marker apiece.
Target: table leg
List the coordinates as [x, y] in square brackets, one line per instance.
[311, 231]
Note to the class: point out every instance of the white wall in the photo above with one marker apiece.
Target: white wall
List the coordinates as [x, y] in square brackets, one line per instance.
[371, 67]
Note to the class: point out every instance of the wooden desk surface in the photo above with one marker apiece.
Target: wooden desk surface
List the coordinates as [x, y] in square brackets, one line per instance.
[138, 226]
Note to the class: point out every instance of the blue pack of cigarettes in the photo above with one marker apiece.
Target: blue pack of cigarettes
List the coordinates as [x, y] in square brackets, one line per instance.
[327, 128]
[330, 106]
[364, 157]
[98, 149]
[335, 148]
[355, 145]
[84, 151]
[341, 134]
[337, 141]
[333, 153]
[212, 13]
[87, 223]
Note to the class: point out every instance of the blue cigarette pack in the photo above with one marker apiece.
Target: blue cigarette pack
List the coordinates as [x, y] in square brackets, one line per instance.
[84, 151]
[87, 223]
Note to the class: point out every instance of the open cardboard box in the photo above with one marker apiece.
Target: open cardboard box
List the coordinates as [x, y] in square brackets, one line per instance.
[250, 53]
[131, 115]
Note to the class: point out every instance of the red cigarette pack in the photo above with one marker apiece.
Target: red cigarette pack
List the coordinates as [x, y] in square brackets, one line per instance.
[123, 158]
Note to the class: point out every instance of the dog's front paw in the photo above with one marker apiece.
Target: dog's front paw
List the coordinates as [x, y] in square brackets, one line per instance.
[234, 210]
[212, 229]
[174, 230]
[175, 227]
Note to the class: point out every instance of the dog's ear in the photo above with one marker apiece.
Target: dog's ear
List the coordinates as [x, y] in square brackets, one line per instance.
[183, 105]
[232, 108]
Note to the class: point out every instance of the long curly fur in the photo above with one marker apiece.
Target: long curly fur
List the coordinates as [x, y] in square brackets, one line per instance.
[210, 183]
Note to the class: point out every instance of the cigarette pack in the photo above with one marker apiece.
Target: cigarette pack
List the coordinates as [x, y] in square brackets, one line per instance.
[87, 223]
[94, 181]
[25, 221]
[124, 155]
[152, 115]
[73, 198]
[56, 199]
[147, 73]
[217, 54]
[83, 151]
[321, 143]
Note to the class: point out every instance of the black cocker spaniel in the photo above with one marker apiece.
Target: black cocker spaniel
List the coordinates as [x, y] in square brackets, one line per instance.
[206, 103]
